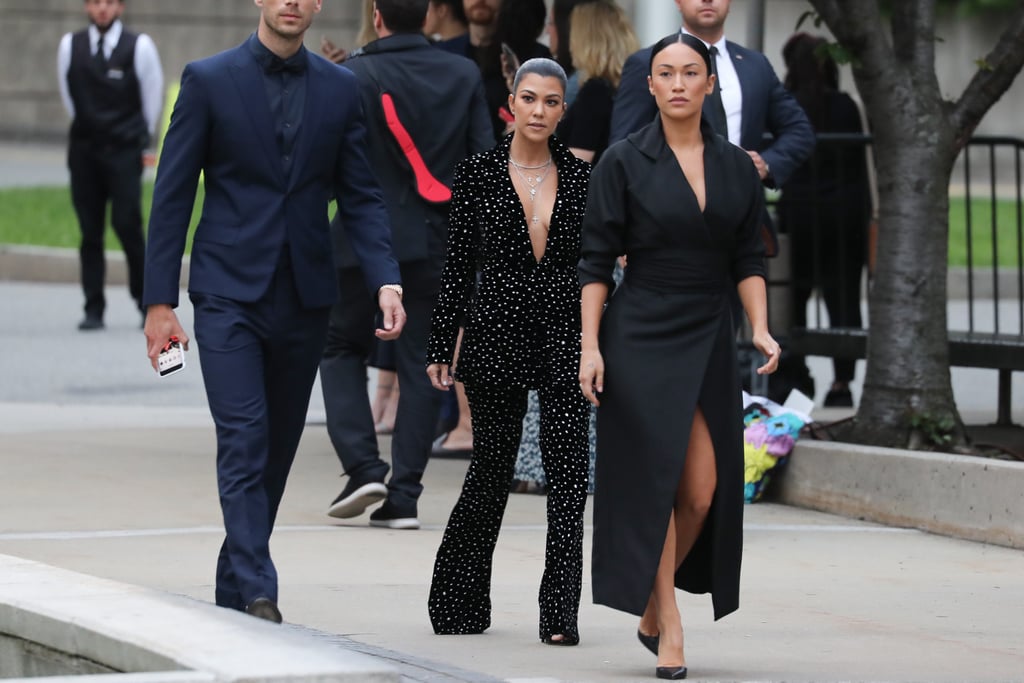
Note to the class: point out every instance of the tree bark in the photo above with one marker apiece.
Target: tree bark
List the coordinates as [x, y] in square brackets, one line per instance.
[908, 394]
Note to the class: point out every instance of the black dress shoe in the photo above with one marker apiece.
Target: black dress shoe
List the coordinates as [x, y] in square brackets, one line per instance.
[264, 608]
[671, 673]
[91, 322]
[650, 642]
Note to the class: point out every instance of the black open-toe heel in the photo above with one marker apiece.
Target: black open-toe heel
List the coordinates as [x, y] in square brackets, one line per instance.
[564, 640]
[650, 642]
[671, 673]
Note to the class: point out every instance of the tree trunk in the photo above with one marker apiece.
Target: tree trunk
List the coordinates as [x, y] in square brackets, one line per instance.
[908, 393]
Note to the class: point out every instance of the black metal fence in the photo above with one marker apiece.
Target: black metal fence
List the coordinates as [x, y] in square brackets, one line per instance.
[830, 241]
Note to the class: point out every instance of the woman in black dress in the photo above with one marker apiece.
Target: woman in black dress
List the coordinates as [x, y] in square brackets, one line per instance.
[515, 217]
[685, 206]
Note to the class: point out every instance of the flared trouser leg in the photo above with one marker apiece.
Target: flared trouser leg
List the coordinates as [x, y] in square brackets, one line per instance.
[460, 600]
[565, 452]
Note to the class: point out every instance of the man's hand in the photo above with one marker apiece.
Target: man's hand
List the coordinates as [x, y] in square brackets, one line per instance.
[332, 52]
[161, 325]
[394, 314]
[760, 164]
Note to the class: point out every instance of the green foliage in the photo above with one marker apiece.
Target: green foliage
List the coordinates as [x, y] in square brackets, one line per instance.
[969, 7]
[937, 431]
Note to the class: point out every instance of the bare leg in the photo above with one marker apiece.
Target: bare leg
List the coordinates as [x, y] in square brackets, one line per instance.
[670, 646]
[387, 418]
[696, 488]
[462, 436]
[386, 384]
[693, 500]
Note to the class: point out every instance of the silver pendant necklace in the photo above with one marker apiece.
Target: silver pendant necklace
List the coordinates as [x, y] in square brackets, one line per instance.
[533, 182]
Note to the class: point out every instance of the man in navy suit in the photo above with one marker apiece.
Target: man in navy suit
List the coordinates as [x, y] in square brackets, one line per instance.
[276, 133]
[754, 100]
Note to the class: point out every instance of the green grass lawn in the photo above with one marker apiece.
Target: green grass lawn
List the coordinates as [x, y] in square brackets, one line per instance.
[981, 232]
[44, 217]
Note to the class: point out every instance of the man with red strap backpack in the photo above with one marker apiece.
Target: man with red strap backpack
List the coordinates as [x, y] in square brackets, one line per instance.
[425, 112]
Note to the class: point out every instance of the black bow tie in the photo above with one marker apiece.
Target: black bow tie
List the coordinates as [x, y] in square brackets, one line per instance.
[293, 65]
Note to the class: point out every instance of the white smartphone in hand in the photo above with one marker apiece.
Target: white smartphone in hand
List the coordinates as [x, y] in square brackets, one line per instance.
[171, 358]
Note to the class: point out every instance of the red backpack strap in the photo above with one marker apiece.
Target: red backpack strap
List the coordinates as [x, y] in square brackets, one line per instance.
[428, 187]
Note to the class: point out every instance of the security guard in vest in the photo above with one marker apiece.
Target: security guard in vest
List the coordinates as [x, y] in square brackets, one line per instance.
[112, 83]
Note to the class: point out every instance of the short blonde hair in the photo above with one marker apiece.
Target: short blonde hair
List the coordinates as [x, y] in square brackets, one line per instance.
[600, 40]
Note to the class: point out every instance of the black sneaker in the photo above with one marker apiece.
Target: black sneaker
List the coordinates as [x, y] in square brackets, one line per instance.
[357, 495]
[390, 516]
[91, 322]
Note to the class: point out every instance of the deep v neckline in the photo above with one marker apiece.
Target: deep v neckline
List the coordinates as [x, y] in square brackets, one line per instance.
[525, 222]
[686, 181]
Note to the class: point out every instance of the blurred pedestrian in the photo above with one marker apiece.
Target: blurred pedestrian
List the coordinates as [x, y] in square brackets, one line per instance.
[112, 85]
[425, 113]
[825, 206]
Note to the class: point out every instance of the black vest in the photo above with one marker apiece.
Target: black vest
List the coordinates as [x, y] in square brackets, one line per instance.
[108, 105]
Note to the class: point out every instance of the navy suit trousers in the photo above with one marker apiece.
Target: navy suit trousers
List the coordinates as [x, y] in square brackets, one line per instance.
[259, 363]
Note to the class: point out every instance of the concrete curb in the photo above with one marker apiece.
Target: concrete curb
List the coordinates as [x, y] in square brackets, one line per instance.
[54, 264]
[157, 637]
[968, 497]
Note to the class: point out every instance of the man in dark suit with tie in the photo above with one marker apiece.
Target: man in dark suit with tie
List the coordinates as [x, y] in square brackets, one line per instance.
[438, 101]
[112, 85]
[750, 102]
[276, 132]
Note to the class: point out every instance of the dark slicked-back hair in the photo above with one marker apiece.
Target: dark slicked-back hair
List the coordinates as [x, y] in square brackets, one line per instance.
[403, 16]
[686, 39]
[543, 67]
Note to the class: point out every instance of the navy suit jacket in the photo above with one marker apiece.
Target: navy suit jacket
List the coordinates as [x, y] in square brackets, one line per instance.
[767, 108]
[222, 127]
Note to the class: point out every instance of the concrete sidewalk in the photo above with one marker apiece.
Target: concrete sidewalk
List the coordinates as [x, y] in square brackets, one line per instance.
[107, 470]
[824, 598]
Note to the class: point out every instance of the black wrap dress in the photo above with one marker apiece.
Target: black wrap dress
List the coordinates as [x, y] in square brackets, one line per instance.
[668, 341]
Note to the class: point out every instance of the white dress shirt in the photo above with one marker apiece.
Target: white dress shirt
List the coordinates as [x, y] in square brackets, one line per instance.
[729, 87]
[147, 69]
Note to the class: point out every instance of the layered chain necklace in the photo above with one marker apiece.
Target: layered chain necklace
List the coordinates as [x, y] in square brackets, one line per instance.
[534, 180]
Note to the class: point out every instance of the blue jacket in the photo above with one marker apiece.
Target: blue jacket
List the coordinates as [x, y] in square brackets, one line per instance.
[767, 108]
[222, 127]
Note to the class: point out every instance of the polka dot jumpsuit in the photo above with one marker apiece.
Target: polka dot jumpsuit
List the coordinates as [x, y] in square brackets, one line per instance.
[522, 332]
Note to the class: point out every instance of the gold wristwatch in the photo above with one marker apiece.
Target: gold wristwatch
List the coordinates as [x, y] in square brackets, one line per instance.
[394, 288]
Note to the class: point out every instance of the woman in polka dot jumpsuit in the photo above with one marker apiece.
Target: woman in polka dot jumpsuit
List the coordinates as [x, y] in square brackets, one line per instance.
[515, 219]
